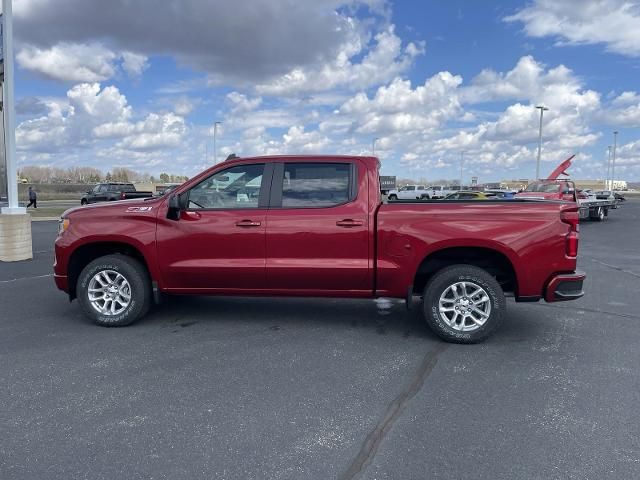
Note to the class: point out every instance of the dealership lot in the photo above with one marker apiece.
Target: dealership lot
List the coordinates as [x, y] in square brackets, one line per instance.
[271, 388]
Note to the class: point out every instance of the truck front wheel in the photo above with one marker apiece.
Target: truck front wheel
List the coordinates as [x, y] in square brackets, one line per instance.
[463, 304]
[114, 290]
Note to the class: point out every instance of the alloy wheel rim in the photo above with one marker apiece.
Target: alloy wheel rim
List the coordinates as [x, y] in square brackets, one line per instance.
[109, 293]
[464, 306]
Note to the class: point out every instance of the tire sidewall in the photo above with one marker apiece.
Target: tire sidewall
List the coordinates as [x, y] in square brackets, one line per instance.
[136, 281]
[446, 278]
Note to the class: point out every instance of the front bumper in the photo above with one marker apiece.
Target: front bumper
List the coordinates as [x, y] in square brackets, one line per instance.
[564, 287]
[62, 282]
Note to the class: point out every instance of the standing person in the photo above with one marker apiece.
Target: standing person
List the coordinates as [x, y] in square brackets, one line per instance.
[33, 198]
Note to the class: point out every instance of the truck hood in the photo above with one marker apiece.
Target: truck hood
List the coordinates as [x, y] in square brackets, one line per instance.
[136, 205]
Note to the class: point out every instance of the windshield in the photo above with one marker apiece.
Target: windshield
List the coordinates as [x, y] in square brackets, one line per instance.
[543, 187]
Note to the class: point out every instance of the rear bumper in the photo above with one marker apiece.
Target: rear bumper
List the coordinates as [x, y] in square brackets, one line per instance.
[564, 287]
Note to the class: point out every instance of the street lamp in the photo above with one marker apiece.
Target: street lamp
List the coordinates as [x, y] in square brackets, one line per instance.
[215, 150]
[542, 110]
[613, 162]
[373, 146]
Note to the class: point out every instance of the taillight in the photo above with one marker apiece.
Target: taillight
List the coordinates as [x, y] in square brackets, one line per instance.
[572, 219]
[572, 244]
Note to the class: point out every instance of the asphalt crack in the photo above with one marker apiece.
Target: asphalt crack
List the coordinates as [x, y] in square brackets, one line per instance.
[376, 436]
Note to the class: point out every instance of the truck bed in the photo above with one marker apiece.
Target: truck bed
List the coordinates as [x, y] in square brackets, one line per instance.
[528, 233]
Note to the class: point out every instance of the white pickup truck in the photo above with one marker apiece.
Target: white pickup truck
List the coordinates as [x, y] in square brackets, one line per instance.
[409, 192]
[440, 191]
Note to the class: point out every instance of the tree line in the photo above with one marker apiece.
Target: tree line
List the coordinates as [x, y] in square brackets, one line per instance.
[36, 174]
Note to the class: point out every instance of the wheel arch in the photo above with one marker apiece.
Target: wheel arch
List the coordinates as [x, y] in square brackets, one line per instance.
[88, 252]
[493, 261]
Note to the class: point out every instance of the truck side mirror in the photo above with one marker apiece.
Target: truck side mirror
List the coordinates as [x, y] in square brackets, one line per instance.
[177, 203]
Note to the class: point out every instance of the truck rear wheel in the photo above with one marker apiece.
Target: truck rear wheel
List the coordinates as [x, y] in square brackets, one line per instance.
[114, 290]
[463, 304]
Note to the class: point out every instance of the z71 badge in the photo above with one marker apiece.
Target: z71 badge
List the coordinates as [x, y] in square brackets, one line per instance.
[139, 209]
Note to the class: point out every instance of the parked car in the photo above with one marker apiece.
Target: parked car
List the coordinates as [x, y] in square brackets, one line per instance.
[167, 189]
[585, 194]
[467, 195]
[409, 192]
[315, 226]
[606, 194]
[111, 191]
[503, 195]
[549, 190]
[439, 191]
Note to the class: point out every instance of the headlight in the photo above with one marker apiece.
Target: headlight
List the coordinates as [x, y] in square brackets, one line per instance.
[63, 224]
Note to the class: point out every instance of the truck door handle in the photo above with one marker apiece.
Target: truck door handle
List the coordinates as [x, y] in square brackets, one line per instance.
[348, 223]
[247, 223]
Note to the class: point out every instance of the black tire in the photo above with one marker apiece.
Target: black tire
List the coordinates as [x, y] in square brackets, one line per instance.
[597, 214]
[393, 197]
[83, 202]
[424, 197]
[140, 289]
[446, 278]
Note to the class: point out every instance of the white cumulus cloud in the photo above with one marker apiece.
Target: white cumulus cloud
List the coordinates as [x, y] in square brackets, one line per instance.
[613, 23]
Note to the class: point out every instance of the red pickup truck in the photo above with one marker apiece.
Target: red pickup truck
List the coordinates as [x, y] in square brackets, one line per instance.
[315, 226]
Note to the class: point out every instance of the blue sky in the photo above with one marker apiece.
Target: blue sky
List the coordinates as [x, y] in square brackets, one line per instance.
[140, 87]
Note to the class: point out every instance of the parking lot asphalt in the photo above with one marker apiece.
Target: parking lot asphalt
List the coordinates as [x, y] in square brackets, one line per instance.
[247, 388]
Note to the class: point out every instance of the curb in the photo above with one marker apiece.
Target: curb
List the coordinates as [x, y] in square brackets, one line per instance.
[44, 219]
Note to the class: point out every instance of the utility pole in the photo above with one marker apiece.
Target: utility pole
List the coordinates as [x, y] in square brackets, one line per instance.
[461, 163]
[542, 110]
[613, 163]
[215, 148]
[373, 146]
[606, 182]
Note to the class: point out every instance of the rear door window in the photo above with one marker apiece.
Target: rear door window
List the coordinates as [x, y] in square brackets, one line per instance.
[308, 185]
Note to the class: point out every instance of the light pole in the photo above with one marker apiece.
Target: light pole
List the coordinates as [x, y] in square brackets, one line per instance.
[613, 162]
[461, 163]
[373, 146]
[606, 182]
[9, 112]
[542, 109]
[215, 149]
